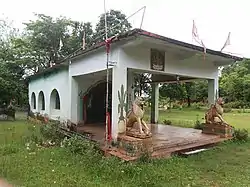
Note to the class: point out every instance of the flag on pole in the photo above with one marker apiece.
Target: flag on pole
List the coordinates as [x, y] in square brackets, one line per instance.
[60, 44]
[196, 37]
[83, 41]
[228, 41]
[205, 49]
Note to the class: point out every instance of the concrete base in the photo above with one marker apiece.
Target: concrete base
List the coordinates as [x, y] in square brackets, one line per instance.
[134, 147]
[222, 129]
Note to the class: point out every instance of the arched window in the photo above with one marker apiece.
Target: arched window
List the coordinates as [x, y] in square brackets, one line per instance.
[55, 100]
[33, 100]
[41, 101]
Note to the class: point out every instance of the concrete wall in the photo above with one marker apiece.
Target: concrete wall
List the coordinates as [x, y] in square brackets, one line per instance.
[139, 58]
[93, 62]
[46, 84]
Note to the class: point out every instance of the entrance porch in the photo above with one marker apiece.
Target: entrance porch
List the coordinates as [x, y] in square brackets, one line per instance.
[166, 140]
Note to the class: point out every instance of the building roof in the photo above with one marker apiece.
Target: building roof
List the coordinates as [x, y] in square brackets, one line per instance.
[132, 34]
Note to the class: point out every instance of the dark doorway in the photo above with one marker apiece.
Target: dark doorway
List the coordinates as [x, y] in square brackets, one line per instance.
[96, 103]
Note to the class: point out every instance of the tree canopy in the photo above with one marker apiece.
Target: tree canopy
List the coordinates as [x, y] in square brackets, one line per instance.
[47, 40]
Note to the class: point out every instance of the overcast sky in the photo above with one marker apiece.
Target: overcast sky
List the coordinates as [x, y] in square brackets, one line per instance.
[171, 18]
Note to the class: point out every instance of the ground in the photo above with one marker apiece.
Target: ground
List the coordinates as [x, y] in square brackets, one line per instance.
[225, 165]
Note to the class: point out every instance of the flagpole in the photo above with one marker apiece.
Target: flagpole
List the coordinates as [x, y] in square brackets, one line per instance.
[107, 78]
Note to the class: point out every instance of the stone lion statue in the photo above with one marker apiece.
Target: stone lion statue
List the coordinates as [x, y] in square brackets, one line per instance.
[135, 116]
[215, 112]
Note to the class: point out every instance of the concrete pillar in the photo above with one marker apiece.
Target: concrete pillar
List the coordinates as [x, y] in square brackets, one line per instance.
[73, 100]
[130, 90]
[213, 90]
[155, 103]
[119, 77]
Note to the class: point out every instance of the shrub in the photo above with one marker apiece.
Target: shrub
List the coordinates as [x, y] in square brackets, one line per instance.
[241, 134]
[227, 109]
[52, 132]
[78, 145]
[167, 122]
[198, 125]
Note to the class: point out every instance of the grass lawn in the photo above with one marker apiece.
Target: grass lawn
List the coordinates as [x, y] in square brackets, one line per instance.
[225, 165]
[187, 117]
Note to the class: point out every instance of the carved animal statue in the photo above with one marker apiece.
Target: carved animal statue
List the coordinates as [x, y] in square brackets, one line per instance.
[135, 115]
[215, 112]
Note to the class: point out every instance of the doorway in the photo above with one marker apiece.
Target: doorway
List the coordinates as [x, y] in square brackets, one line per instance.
[94, 104]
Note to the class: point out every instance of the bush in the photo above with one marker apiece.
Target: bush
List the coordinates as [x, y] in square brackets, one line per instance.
[197, 105]
[198, 125]
[52, 132]
[235, 104]
[167, 122]
[241, 134]
[227, 109]
[78, 145]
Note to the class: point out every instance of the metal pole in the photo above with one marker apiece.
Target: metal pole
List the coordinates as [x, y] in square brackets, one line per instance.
[107, 78]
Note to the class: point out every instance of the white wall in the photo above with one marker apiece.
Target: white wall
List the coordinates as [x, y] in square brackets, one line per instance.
[60, 82]
[93, 62]
[139, 58]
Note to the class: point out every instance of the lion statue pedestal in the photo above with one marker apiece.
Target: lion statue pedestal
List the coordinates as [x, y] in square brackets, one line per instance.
[214, 122]
[137, 138]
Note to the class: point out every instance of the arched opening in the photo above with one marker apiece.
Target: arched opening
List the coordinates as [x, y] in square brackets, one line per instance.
[55, 100]
[41, 101]
[95, 103]
[33, 101]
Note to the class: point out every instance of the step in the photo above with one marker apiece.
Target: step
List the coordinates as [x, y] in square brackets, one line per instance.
[177, 149]
[189, 144]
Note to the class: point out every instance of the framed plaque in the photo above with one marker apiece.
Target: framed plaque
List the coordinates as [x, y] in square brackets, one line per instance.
[157, 60]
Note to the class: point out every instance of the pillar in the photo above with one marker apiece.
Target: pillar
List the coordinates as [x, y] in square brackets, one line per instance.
[155, 103]
[213, 90]
[73, 100]
[130, 90]
[119, 77]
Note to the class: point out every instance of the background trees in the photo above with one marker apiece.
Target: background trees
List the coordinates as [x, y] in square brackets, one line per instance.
[46, 40]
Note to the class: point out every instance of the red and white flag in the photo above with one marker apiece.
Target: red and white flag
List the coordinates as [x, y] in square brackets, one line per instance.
[83, 41]
[228, 41]
[195, 34]
[196, 37]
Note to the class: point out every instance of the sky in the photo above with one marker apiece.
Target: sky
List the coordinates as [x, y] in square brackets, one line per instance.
[171, 18]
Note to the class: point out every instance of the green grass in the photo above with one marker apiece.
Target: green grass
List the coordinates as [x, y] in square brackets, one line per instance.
[187, 117]
[226, 165]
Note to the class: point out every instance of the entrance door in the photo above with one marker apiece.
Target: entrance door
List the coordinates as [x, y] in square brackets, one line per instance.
[96, 103]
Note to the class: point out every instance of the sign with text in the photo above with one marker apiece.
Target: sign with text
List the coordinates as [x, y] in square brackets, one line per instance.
[157, 60]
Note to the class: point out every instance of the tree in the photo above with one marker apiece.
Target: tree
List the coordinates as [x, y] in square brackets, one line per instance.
[116, 24]
[11, 75]
[141, 84]
[45, 36]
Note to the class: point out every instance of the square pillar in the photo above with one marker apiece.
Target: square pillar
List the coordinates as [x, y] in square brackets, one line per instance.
[73, 100]
[155, 103]
[213, 90]
[119, 78]
[130, 89]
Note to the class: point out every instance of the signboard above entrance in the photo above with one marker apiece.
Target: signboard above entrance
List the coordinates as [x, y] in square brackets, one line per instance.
[157, 60]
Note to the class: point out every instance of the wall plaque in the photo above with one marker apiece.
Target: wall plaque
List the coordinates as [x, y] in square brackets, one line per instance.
[157, 60]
